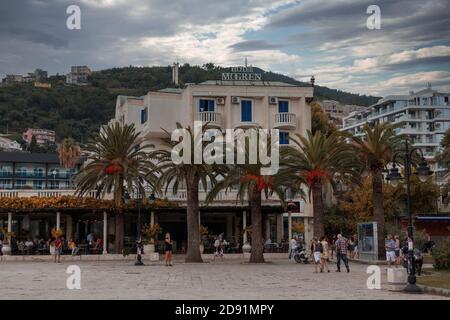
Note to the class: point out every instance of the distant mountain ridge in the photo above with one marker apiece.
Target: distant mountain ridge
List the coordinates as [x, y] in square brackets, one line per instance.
[79, 112]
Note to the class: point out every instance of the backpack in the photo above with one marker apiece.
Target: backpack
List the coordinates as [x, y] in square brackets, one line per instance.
[319, 247]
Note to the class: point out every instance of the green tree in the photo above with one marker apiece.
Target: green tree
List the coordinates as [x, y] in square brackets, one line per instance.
[117, 162]
[175, 175]
[375, 149]
[320, 120]
[33, 147]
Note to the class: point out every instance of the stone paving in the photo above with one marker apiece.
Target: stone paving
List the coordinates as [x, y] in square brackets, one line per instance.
[225, 280]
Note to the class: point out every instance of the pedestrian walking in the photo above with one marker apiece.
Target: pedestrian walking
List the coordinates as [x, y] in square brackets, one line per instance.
[333, 245]
[317, 250]
[324, 256]
[293, 247]
[58, 249]
[355, 251]
[341, 252]
[390, 250]
[168, 247]
[351, 247]
[397, 250]
[1, 246]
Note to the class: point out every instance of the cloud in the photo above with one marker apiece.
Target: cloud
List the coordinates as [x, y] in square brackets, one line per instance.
[326, 38]
[253, 45]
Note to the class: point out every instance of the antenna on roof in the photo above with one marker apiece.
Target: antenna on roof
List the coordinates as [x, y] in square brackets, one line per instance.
[246, 61]
[428, 85]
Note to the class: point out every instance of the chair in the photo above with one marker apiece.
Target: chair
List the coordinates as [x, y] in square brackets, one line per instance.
[21, 247]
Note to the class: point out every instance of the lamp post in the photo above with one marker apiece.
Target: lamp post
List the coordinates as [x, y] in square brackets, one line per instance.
[139, 227]
[394, 176]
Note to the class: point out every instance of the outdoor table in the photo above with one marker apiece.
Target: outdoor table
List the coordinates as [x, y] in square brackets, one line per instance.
[84, 248]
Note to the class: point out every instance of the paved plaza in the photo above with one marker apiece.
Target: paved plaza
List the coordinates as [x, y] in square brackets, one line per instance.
[230, 279]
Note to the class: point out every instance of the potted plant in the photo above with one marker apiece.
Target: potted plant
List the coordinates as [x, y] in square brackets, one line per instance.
[7, 241]
[204, 232]
[150, 232]
[246, 247]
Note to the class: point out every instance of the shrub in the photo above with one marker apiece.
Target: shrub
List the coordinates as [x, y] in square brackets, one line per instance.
[441, 255]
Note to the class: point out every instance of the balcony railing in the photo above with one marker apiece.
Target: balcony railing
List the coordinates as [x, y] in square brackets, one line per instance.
[213, 119]
[26, 193]
[285, 120]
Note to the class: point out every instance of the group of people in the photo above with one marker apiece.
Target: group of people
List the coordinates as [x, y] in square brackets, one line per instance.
[393, 250]
[321, 249]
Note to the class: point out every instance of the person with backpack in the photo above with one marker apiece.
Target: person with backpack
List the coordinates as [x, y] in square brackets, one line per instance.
[317, 251]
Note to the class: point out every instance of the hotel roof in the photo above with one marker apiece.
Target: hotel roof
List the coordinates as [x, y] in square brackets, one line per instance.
[25, 157]
[249, 83]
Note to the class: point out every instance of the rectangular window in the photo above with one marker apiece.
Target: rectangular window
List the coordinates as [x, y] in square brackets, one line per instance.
[284, 137]
[206, 105]
[37, 184]
[144, 116]
[283, 106]
[246, 110]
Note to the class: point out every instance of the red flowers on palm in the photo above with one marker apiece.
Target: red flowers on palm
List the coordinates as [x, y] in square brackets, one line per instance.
[315, 176]
[261, 183]
[114, 168]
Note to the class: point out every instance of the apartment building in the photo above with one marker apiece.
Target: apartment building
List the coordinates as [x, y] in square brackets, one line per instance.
[78, 75]
[336, 111]
[9, 145]
[424, 116]
[42, 136]
[34, 172]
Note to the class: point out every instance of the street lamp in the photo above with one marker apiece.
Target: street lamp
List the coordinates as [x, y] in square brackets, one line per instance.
[127, 198]
[423, 172]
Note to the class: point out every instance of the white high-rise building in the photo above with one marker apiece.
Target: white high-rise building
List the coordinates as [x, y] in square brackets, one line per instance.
[424, 116]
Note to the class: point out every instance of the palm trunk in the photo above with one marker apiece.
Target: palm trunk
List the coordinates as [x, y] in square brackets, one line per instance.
[119, 223]
[378, 210]
[257, 253]
[118, 241]
[193, 228]
[318, 210]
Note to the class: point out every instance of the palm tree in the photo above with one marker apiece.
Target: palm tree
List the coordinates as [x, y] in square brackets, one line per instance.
[315, 160]
[69, 152]
[250, 184]
[116, 162]
[174, 175]
[376, 148]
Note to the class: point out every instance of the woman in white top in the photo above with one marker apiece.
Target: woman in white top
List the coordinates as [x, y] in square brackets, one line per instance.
[293, 247]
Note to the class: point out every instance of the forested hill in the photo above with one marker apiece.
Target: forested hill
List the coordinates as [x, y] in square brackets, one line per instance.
[78, 112]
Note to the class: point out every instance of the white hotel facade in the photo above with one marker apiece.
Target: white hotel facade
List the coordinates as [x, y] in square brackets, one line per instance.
[224, 104]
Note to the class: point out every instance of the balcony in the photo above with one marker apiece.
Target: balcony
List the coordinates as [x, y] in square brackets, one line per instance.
[213, 119]
[285, 120]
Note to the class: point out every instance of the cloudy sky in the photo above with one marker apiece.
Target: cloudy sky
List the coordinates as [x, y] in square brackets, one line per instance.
[300, 38]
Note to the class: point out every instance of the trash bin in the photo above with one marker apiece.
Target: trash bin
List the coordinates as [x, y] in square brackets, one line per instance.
[397, 279]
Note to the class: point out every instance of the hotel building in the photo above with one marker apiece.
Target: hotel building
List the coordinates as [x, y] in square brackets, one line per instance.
[223, 104]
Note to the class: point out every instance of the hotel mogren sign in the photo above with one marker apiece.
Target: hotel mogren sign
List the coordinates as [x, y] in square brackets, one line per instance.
[241, 73]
